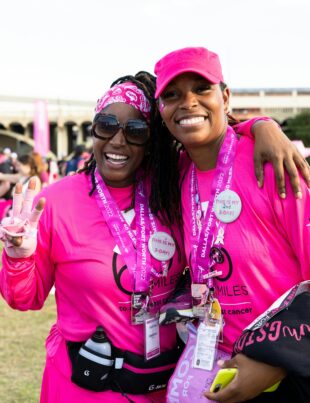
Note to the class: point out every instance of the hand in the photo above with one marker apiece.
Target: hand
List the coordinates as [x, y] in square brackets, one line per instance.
[252, 379]
[19, 232]
[271, 144]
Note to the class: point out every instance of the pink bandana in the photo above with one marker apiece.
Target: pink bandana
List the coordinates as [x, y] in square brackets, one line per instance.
[127, 93]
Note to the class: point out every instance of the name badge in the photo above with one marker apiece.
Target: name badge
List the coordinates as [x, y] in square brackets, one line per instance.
[227, 206]
[161, 246]
[206, 346]
[151, 338]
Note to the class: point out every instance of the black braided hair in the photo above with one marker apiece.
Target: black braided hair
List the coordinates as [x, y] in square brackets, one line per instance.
[89, 168]
[161, 161]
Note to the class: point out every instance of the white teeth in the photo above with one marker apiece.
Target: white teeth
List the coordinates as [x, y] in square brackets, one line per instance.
[192, 121]
[117, 157]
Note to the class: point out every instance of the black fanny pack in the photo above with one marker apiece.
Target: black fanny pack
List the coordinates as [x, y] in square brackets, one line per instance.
[130, 373]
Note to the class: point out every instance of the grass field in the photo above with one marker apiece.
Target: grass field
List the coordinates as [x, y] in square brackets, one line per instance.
[22, 352]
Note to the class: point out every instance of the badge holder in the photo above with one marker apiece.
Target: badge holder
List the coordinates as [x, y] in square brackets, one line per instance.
[208, 334]
[200, 293]
[140, 314]
[139, 303]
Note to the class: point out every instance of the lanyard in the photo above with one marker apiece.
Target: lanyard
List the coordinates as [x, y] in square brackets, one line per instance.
[134, 248]
[202, 238]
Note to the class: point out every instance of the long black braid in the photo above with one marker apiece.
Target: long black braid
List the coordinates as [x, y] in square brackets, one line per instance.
[161, 161]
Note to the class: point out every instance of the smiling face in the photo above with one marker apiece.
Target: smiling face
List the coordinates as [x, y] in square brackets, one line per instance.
[118, 161]
[194, 110]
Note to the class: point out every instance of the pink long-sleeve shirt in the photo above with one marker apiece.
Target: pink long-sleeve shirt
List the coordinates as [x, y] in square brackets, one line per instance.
[268, 245]
[77, 254]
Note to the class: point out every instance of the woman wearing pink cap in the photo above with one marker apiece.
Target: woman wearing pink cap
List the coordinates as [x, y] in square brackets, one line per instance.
[245, 247]
[109, 240]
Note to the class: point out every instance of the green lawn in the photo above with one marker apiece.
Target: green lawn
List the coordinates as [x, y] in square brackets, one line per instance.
[22, 353]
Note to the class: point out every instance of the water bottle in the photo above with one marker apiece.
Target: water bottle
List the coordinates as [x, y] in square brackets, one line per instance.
[98, 343]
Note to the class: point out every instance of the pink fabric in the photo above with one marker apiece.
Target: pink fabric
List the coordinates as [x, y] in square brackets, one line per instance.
[75, 252]
[5, 206]
[44, 177]
[127, 93]
[245, 128]
[268, 244]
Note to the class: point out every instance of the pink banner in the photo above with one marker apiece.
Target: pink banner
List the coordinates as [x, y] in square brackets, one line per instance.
[41, 132]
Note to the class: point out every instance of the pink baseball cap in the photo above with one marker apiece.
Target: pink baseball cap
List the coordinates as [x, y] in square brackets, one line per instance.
[187, 60]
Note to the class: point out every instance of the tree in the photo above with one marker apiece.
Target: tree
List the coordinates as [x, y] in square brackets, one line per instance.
[298, 128]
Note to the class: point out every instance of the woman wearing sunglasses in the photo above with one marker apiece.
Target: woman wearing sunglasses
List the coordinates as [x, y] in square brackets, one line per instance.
[109, 240]
[113, 259]
[245, 247]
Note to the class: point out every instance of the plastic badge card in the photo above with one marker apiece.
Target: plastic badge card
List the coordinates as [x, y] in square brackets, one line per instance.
[152, 341]
[206, 346]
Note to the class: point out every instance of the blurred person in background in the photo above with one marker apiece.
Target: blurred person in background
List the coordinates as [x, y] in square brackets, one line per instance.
[77, 161]
[7, 166]
[42, 168]
[53, 170]
[26, 168]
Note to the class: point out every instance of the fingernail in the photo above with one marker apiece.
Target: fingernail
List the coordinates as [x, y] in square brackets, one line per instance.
[283, 195]
[259, 184]
[299, 195]
[220, 363]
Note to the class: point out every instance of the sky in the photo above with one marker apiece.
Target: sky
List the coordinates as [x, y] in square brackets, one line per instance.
[74, 49]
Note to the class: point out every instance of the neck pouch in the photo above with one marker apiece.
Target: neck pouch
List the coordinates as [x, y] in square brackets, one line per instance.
[188, 383]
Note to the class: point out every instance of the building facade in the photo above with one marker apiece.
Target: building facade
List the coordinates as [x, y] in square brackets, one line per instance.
[70, 121]
[280, 104]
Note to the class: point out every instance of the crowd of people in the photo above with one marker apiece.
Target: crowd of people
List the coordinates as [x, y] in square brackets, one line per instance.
[20, 168]
[168, 192]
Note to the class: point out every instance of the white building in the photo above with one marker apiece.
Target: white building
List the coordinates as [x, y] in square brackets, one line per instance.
[279, 104]
[70, 121]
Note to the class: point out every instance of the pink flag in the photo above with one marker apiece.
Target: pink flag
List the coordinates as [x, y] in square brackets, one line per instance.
[41, 132]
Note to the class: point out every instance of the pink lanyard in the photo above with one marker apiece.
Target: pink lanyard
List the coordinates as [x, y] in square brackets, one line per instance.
[202, 240]
[134, 249]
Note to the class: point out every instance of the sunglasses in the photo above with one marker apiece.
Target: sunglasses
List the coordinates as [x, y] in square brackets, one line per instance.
[136, 131]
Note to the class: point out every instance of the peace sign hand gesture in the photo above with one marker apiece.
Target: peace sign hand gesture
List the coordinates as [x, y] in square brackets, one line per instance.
[19, 232]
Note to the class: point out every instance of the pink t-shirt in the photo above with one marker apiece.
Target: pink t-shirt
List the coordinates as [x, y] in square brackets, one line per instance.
[77, 254]
[268, 246]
